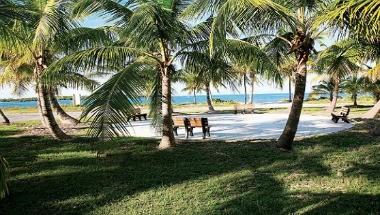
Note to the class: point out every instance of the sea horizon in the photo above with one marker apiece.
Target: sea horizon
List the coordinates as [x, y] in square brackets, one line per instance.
[259, 98]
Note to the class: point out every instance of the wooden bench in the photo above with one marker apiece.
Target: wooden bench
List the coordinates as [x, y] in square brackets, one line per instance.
[344, 112]
[200, 123]
[179, 122]
[244, 108]
[137, 114]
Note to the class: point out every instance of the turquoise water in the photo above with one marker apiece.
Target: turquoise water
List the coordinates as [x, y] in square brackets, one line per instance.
[258, 99]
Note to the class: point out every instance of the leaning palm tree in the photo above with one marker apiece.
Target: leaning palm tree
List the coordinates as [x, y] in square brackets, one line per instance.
[338, 62]
[48, 21]
[151, 38]
[48, 34]
[234, 18]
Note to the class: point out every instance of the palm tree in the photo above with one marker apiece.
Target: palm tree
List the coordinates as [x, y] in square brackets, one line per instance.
[151, 38]
[338, 62]
[48, 34]
[257, 16]
[353, 86]
[48, 20]
[192, 84]
[325, 88]
[372, 87]
[360, 20]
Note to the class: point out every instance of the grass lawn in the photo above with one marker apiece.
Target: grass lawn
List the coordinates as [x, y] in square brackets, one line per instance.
[335, 174]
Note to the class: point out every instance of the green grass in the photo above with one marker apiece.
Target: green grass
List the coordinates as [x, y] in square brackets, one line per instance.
[335, 174]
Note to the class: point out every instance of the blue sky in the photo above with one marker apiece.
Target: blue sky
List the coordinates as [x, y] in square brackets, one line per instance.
[96, 21]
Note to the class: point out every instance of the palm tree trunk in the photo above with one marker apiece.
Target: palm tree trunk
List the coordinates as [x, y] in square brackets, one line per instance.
[47, 113]
[208, 97]
[252, 91]
[290, 90]
[371, 114]
[245, 89]
[287, 137]
[62, 115]
[195, 97]
[5, 118]
[355, 97]
[167, 139]
[335, 97]
[331, 96]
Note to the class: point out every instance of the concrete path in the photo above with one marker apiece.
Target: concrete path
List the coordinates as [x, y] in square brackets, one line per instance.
[231, 127]
[33, 116]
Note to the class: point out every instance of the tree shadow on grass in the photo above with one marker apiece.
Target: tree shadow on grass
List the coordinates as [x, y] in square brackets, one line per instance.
[51, 177]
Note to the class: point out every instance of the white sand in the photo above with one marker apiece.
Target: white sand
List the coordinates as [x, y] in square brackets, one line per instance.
[231, 127]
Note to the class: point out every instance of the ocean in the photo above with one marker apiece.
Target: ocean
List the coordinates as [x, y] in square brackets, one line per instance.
[258, 99]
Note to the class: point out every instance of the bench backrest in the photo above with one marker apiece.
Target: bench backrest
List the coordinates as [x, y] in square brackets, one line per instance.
[180, 121]
[243, 106]
[198, 122]
[137, 111]
[195, 122]
[345, 111]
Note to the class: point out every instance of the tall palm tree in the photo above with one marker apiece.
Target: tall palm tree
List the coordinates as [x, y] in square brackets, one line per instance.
[151, 38]
[257, 16]
[48, 20]
[48, 34]
[338, 62]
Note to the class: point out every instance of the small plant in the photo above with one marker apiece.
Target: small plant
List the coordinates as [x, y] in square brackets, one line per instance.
[4, 173]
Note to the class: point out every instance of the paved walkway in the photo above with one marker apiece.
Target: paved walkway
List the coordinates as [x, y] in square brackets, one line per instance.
[231, 127]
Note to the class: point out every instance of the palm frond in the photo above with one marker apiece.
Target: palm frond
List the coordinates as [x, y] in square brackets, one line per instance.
[109, 107]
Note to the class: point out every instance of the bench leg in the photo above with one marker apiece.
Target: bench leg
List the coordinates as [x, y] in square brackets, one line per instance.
[345, 120]
[134, 118]
[204, 131]
[187, 133]
[139, 118]
[175, 131]
[144, 117]
[208, 131]
[335, 119]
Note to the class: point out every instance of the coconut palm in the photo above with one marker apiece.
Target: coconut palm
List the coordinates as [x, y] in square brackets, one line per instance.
[151, 38]
[325, 88]
[353, 86]
[372, 87]
[48, 20]
[359, 19]
[234, 18]
[338, 62]
[192, 84]
[48, 34]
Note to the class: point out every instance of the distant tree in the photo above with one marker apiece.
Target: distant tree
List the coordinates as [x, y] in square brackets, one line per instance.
[192, 84]
[325, 88]
[337, 62]
[353, 86]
